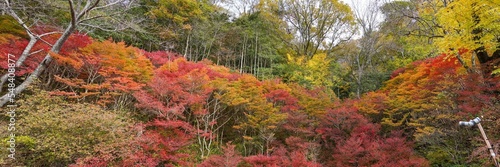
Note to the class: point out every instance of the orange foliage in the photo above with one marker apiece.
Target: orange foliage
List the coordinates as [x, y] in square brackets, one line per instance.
[104, 71]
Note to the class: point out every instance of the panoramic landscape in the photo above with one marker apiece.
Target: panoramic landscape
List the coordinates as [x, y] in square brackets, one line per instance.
[250, 83]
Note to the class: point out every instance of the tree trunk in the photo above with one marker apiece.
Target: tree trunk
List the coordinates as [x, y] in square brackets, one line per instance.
[41, 67]
[21, 59]
[187, 44]
[488, 63]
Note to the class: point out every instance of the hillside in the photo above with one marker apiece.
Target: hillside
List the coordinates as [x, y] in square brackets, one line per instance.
[89, 84]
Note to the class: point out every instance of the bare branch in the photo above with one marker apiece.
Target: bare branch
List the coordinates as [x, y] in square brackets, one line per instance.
[49, 33]
[18, 19]
[102, 28]
[72, 11]
[108, 5]
[87, 8]
[35, 52]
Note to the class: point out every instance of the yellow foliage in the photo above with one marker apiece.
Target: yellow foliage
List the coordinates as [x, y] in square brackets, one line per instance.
[247, 138]
[424, 132]
[172, 66]
[470, 24]
[315, 71]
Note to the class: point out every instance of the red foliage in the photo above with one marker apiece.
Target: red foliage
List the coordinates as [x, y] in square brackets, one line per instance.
[158, 58]
[477, 93]
[160, 145]
[74, 43]
[178, 85]
[297, 152]
[283, 98]
[365, 148]
[339, 122]
[396, 72]
[263, 161]
[299, 124]
[442, 67]
[90, 162]
[294, 154]
[355, 142]
[230, 158]
[16, 46]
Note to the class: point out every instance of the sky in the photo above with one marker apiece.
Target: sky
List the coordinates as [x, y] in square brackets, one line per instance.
[235, 7]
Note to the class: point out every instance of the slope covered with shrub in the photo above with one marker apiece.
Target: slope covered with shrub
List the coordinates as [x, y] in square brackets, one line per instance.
[303, 83]
[108, 104]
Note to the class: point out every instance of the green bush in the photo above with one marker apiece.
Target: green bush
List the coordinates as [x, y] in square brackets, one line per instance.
[53, 132]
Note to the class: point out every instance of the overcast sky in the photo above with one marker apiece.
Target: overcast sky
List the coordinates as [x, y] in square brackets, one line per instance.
[362, 5]
[359, 5]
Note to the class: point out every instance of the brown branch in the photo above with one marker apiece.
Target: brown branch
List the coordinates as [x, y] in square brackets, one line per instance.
[87, 8]
[72, 11]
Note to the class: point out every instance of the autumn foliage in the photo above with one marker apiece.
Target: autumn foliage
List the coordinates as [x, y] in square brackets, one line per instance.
[428, 97]
[187, 113]
[278, 83]
[200, 113]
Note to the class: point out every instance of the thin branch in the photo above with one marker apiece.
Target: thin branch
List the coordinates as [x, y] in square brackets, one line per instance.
[101, 28]
[35, 52]
[100, 16]
[108, 5]
[87, 8]
[49, 33]
[72, 11]
[43, 40]
[18, 19]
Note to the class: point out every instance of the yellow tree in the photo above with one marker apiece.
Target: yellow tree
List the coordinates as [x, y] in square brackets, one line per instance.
[258, 118]
[472, 30]
[313, 72]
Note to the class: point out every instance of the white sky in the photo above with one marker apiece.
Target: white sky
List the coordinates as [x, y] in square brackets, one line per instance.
[360, 7]
[235, 7]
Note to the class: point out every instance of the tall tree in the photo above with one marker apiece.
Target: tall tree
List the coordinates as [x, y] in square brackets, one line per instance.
[317, 24]
[456, 26]
[471, 25]
[400, 28]
[369, 44]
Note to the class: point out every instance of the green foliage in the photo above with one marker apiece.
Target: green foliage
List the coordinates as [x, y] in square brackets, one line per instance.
[171, 17]
[53, 132]
[408, 39]
[316, 24]
[496, 72]
[10, 26]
